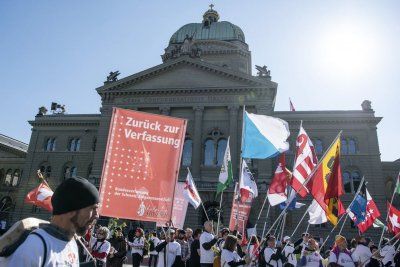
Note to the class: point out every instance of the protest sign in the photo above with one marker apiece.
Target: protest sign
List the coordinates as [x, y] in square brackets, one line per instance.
[179, 209]
[141, 165]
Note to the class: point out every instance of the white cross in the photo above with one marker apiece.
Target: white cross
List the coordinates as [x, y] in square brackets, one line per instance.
[394, 220]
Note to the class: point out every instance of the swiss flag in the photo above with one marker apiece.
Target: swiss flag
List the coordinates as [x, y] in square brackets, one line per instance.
[394, 219]
[41, 197]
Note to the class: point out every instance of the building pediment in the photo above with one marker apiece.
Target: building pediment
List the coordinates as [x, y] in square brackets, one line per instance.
[185, 72]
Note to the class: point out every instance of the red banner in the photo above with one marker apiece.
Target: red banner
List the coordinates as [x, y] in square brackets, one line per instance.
[240, 213]
[179, 209]
[141, 165]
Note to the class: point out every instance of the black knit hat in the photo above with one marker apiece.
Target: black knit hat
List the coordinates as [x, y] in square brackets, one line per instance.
[74, 194]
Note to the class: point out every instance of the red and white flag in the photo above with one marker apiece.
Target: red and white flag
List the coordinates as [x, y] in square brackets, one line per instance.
[291, 105]
[247, 184]
[394, 219]
[306, 160]
[41, 197]
[277, 190]
[371, 214]
[190, 191]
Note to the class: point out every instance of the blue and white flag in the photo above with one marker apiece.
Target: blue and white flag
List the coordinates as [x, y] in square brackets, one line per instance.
[264, 136]
[358, 209]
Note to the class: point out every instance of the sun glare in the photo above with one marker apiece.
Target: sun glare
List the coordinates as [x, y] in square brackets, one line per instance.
[347, 51]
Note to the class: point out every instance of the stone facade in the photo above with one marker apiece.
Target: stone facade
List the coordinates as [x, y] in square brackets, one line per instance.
[210, 89]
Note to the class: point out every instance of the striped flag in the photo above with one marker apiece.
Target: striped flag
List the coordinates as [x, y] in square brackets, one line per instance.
[306, 160]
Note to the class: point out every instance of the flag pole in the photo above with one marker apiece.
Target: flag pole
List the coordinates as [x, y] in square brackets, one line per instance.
[222, 192]
[205, 212]
[341, 217]
[344, 222]
[201, 201]
[283, 226]
[261, 210]
[219, 211]
[266, 219]
[387, 213]
[306, 181]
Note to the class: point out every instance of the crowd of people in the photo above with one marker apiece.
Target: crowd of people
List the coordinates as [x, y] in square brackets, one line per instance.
[201, 248]
[72, 238]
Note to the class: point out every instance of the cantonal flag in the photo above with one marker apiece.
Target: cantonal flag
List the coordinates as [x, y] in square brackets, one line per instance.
[277, 190]
[371, 214]
[317, 184]
[334, 190]
[305, 162]
[41, 197]
[190, 192]
[226, 174]
[397, 189]
[247, 184]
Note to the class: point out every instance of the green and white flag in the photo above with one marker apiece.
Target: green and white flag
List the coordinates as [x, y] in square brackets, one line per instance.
[378, 224]
[226, 174]
[397, 189]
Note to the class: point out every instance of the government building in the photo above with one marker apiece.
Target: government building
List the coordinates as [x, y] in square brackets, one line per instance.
[205, 77]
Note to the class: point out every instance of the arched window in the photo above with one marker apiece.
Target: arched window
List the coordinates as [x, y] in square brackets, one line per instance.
[209, 152]
[15, 178]
[346, 181]
[94, 144]
[318, 146]
[187, 152]
[221, 147]
[45, 169]
[356, 179]
[74, 144]
[214, 148]
[90, 168]
[352, 146]
[50, 144]
[349, 146]
[351, 179]
[344, 150]
[8, 179]
[69, 171]
[2, 175]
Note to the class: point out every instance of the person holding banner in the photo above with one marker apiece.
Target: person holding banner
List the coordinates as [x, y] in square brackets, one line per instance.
[207, 241]
[137, 247]
[229, 256]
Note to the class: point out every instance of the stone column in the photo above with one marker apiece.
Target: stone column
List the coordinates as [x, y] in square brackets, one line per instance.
[233, 133]
[198, 127]
[165, 110]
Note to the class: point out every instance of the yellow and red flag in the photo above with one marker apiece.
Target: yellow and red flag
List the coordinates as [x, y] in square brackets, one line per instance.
[318, 184]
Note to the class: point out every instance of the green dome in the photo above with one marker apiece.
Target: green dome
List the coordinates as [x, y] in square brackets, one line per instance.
[223, 30]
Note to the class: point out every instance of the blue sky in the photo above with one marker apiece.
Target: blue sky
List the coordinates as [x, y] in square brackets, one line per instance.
[325, 55]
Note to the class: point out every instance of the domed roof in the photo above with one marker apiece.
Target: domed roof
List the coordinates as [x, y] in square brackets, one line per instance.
[210, 29]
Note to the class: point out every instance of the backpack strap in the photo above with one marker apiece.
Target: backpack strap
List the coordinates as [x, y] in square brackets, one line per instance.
[44, 247]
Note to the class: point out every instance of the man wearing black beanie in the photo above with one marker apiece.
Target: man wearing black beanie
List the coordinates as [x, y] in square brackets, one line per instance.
[75, 207]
